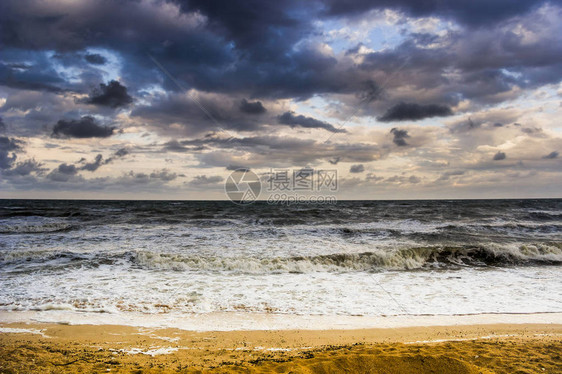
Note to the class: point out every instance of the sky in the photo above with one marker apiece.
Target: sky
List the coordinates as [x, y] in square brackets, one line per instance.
[154, 99]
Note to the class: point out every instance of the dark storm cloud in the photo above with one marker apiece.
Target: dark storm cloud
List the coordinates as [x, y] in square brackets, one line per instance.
[95, 59]
[354, 50]
[180, 109]
[179, 40]
[134, 180]
[99, 161]
[183, 113]
[176, 146]
[369, 91]
[25, 168]
[279, 151]
[2, 125]
[220, 53]
[255, 107]
[469, 12]
[357, 168]
[29, 78]
[226, 42]
[490, 62]
[70, 27]
[414, 179]
[8, 148]
[31, 111]
[400, 137]
[237, 167]
[93, 166]
[551, 155]
[239, 55]
[219, 46]
[495, 121]
[266, 26]
[67, 169]
[122, 152]
[63, 173]
[535, 132]
[164, 175]
[401, 179]
[373, 178]
[86, 127]
[289, 118]
[131, 181]
[414, 112]
[203, 181]
[499, 156]
[259, 50]
[448, 174]
[113, 95]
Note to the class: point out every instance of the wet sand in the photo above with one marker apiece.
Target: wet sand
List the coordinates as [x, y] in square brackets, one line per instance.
[489, 348]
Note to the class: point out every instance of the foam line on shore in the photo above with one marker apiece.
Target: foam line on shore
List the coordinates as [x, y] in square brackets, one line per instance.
[257, 321]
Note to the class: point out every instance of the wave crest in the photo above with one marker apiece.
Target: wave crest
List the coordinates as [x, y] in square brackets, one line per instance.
[35, 228]
[401, 259]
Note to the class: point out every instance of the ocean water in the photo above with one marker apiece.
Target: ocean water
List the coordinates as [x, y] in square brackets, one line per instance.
[354, 258]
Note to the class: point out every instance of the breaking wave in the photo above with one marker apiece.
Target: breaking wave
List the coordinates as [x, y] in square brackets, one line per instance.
[414, 258]
[402, 259]
[34, 228]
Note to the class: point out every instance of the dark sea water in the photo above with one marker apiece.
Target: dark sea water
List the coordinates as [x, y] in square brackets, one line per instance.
[351, 258]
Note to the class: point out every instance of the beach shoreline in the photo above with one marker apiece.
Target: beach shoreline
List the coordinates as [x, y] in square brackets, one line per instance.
[235, 321]
[476, 348]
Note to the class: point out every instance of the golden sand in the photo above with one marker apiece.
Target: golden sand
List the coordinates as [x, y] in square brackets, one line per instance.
[500, 348]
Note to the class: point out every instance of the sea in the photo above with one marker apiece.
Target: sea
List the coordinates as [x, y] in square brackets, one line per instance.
[120, 260]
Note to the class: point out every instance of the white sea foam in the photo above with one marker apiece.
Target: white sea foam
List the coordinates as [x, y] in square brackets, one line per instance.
[11, 330]
[110, 261]
[113, 291]
[32, 225]
[260, 321]
[151, 352]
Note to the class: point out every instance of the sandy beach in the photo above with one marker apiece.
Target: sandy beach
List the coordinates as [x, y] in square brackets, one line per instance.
[326, 186]
[483, 348]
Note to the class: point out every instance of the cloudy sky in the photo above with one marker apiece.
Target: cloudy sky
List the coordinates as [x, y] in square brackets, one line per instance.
[162, 99]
